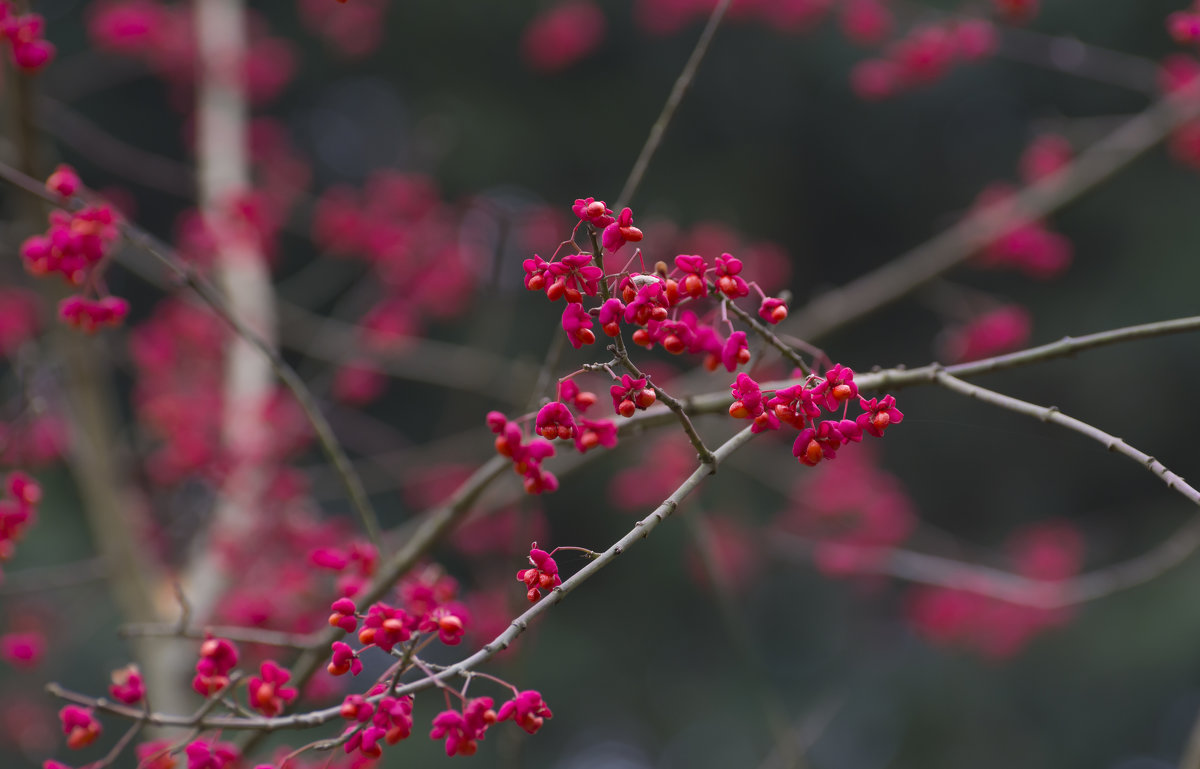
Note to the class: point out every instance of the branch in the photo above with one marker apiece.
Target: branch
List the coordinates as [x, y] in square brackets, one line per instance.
[913, 269]
[673, 100]
[186, 275]
[640, 531]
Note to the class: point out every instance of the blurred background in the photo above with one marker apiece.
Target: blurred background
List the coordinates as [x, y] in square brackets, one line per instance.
[408, 156]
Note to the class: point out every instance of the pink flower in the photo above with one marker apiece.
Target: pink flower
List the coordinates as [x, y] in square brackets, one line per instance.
[1003, 329]
[569, 392]
[80, 726]
[772, 310]
[577, 323]
[620, 232]
[217, 657]
[22, 650]
[632, 394]
[837, 388]
[343, 615]
[735, 352]
[127, 685]
[210, 755]
[729, 282]
[356, 708]
[395, 715]
[694, 282]
[87, 315]
[562, 35]
[875, 79]
[526, 709]
[591, 433]
[386, 626]
[1045, 156]
[366, 741]
[343, 660]
[543, 576]
[610, 316]
[554, 420]
[593, 211]
[463, 730]
[449, 622]
[878, 414]
[866, 22]
[813, 445]
[64, 181]
[267, 693]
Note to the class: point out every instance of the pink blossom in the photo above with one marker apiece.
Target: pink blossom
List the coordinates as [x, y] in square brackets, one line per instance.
[554, 420]
[878, 415]
[450, 622]
[620, 232]
[527, 710]
[542, 576]
[22, 650]
[591, 433]
[267, 693]
[729, 281]
[632, 394]
[343, 660]
[127, 685]
[562, 35]
[210, 755]
[593, 211]
[462, 731]
[80, 726]
[772, 310]
[577, 323]
[837, 388]
[64, 181]
[385, 626]
[395, 715]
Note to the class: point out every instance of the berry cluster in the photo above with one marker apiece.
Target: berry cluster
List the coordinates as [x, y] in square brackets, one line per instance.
[75, 246]
[17, 513]
[800, 405]
[25, 33]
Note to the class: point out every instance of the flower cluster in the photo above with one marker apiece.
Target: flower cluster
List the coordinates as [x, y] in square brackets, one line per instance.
[390, 721]
[527, 457]
[25, 33]
[922, 56]
[267, 692]
[800, 406]
[464, 729]
[429, 606]
[650, 302]
[541, 576]
[75, 247]
[17, 511]
[79, 725]
[127, 685]
[218, 657]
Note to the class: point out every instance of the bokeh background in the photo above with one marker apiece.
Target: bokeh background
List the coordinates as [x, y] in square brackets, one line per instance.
[771, 153]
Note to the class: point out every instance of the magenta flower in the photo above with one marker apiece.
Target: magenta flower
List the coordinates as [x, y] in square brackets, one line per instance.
[449, 621]
[21, 650]
[736, 351]
[593, 211]
[554, 420]
[878, 414]
[837, 388]
[64, 181]
[694, 283]
[395, 715]
[386, 626]
[569, 392]
[217, 657]
[620, 232]
[543, 576]
[527, 709]
[649, 302]
[343, 660]
[127, 685]
[813, 445]
[772, 310]
[591, 433]
[356, 708]
[729, 282]
[571, 275]
[610, 316]
[80, 726]
[343, 615]
[366, 741]
[632, 394]
[795, 406]
[267, 692]
[463, 730]
[578, 325]
[210, 755]
[87, 315]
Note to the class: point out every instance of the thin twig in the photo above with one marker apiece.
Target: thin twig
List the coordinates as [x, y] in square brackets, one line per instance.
[209, 294]
[769, 337]
[640, 531]
[686, 76]
[240, 634]
[915, 268]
